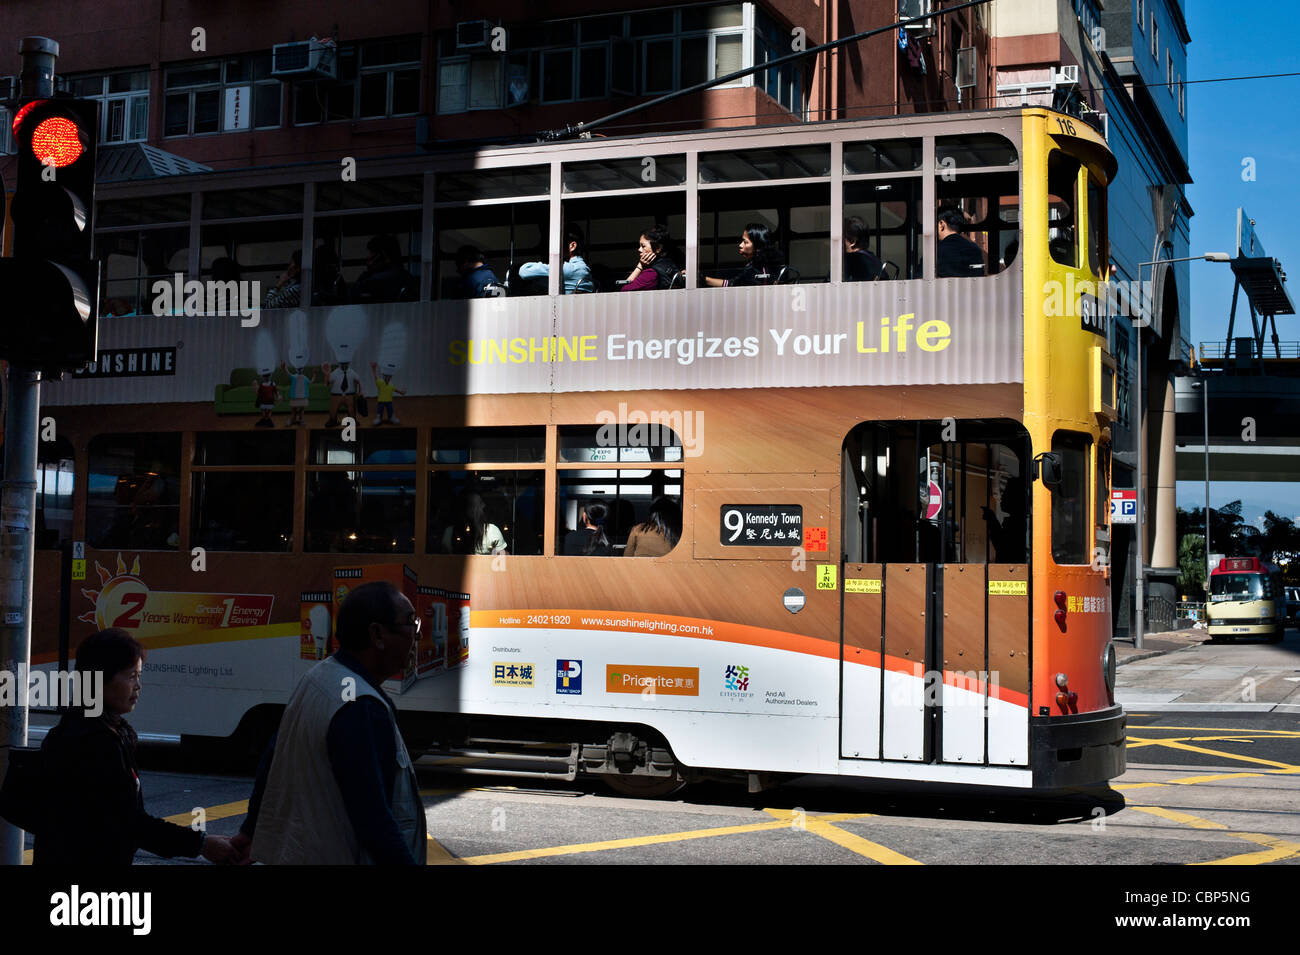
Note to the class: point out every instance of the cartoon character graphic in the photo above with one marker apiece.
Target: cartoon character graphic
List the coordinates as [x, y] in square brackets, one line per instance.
[267, 394]
[345, 329]
[295, 365]
[392, 346]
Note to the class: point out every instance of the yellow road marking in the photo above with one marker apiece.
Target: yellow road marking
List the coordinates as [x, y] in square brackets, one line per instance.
[1173, 815]
[1233, 756]
[435, 853]
[846, 839]
[497, 857]
[1278, 850]
[1221, 729]
[1137, 785]
[1193, 780]
[216, 812]
[27, 856]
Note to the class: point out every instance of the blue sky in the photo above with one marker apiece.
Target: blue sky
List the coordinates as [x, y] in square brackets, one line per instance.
[1228, 123]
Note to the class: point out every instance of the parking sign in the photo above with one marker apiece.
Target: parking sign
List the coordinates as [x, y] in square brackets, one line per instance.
[1124, 506]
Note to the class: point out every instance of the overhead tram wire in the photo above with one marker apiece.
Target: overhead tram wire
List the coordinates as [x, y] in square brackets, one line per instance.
[570, 132]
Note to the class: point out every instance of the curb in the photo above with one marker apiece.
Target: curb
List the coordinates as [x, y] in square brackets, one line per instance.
[1148, 654]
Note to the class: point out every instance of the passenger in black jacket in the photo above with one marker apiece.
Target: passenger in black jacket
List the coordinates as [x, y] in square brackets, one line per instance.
[96, 811]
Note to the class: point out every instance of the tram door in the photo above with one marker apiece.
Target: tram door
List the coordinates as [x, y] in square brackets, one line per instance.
[935, 638]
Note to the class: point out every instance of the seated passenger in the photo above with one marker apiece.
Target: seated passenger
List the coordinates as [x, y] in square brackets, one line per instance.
[577, 276]
[475, 275]
[859, 264]
[589, 539]
[958, 256]
[471, 532]
[762, 258]
[327, 285]
[385, 280]
[288, 289]
[657, 266]
[659, 533]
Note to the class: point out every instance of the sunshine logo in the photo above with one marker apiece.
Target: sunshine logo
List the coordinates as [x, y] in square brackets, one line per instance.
[121, 598]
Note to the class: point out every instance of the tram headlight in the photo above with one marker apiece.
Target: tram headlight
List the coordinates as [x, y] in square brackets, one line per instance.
[1062, 680]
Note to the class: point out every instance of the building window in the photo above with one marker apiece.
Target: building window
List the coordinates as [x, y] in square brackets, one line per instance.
[635, 54]
[1141, 15]
[1155, 38]
[1182, 97]
[1169, 73]
[376, 79]
[123, 103]
[221, 96]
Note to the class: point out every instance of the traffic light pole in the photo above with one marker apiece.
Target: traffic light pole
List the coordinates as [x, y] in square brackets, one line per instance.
[18, 498]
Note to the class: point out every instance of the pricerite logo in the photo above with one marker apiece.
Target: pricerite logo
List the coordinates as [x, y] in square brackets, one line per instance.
[568, 677]
[665, 681]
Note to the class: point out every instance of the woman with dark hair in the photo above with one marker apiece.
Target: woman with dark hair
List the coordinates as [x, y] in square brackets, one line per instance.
[96, 814]
[659, 532]
[589, 539]
[762, 258]
[656, 267]
[472, 533]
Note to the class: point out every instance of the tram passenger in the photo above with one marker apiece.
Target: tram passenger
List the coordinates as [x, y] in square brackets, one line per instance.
[762, 258]
[589, 539]
[327, 284]
[287, 292]
[658, 534]
[337, 786]
[957, 256]
[859, 264]
[657, 263]
[385, 279]
[576, 273]
[96, 806]
[1008, 535]
[476, 276]
[472, 532]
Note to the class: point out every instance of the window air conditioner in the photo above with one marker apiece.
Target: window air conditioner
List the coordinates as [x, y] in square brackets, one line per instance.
[1068, 74]
[312, 57]
[471, 34]
[907, 9]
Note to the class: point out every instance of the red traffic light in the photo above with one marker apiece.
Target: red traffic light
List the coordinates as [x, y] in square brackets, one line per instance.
[57, 142]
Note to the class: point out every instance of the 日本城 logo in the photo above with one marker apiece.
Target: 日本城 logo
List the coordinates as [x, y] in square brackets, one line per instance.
[568, 677]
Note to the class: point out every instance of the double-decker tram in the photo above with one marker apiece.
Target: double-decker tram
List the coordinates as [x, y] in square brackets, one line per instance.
[1247, 599]
[796, 524]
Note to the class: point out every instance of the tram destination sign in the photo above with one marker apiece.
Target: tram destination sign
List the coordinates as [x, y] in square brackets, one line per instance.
[762, 525]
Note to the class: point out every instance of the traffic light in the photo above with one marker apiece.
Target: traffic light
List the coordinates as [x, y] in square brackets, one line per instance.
[50, 288]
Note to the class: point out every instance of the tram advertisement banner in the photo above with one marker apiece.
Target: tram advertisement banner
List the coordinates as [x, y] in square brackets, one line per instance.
[878, 333]
[166, 618]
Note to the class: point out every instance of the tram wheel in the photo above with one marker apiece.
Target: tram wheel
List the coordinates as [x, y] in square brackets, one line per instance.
[644, 787]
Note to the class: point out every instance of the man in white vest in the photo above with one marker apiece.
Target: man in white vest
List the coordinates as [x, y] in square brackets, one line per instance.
[337, 786]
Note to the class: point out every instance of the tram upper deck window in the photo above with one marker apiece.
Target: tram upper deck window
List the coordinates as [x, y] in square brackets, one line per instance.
[882, 156]
[978, 176]
[512, 182]
[649, 172]
[132, 491]
[506, 234]
[748, 165]
[259, 229]
[891, 212]
[134, 260]
[613, 232]
[1098, 249]
[1062, 215]
[1070, 526]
